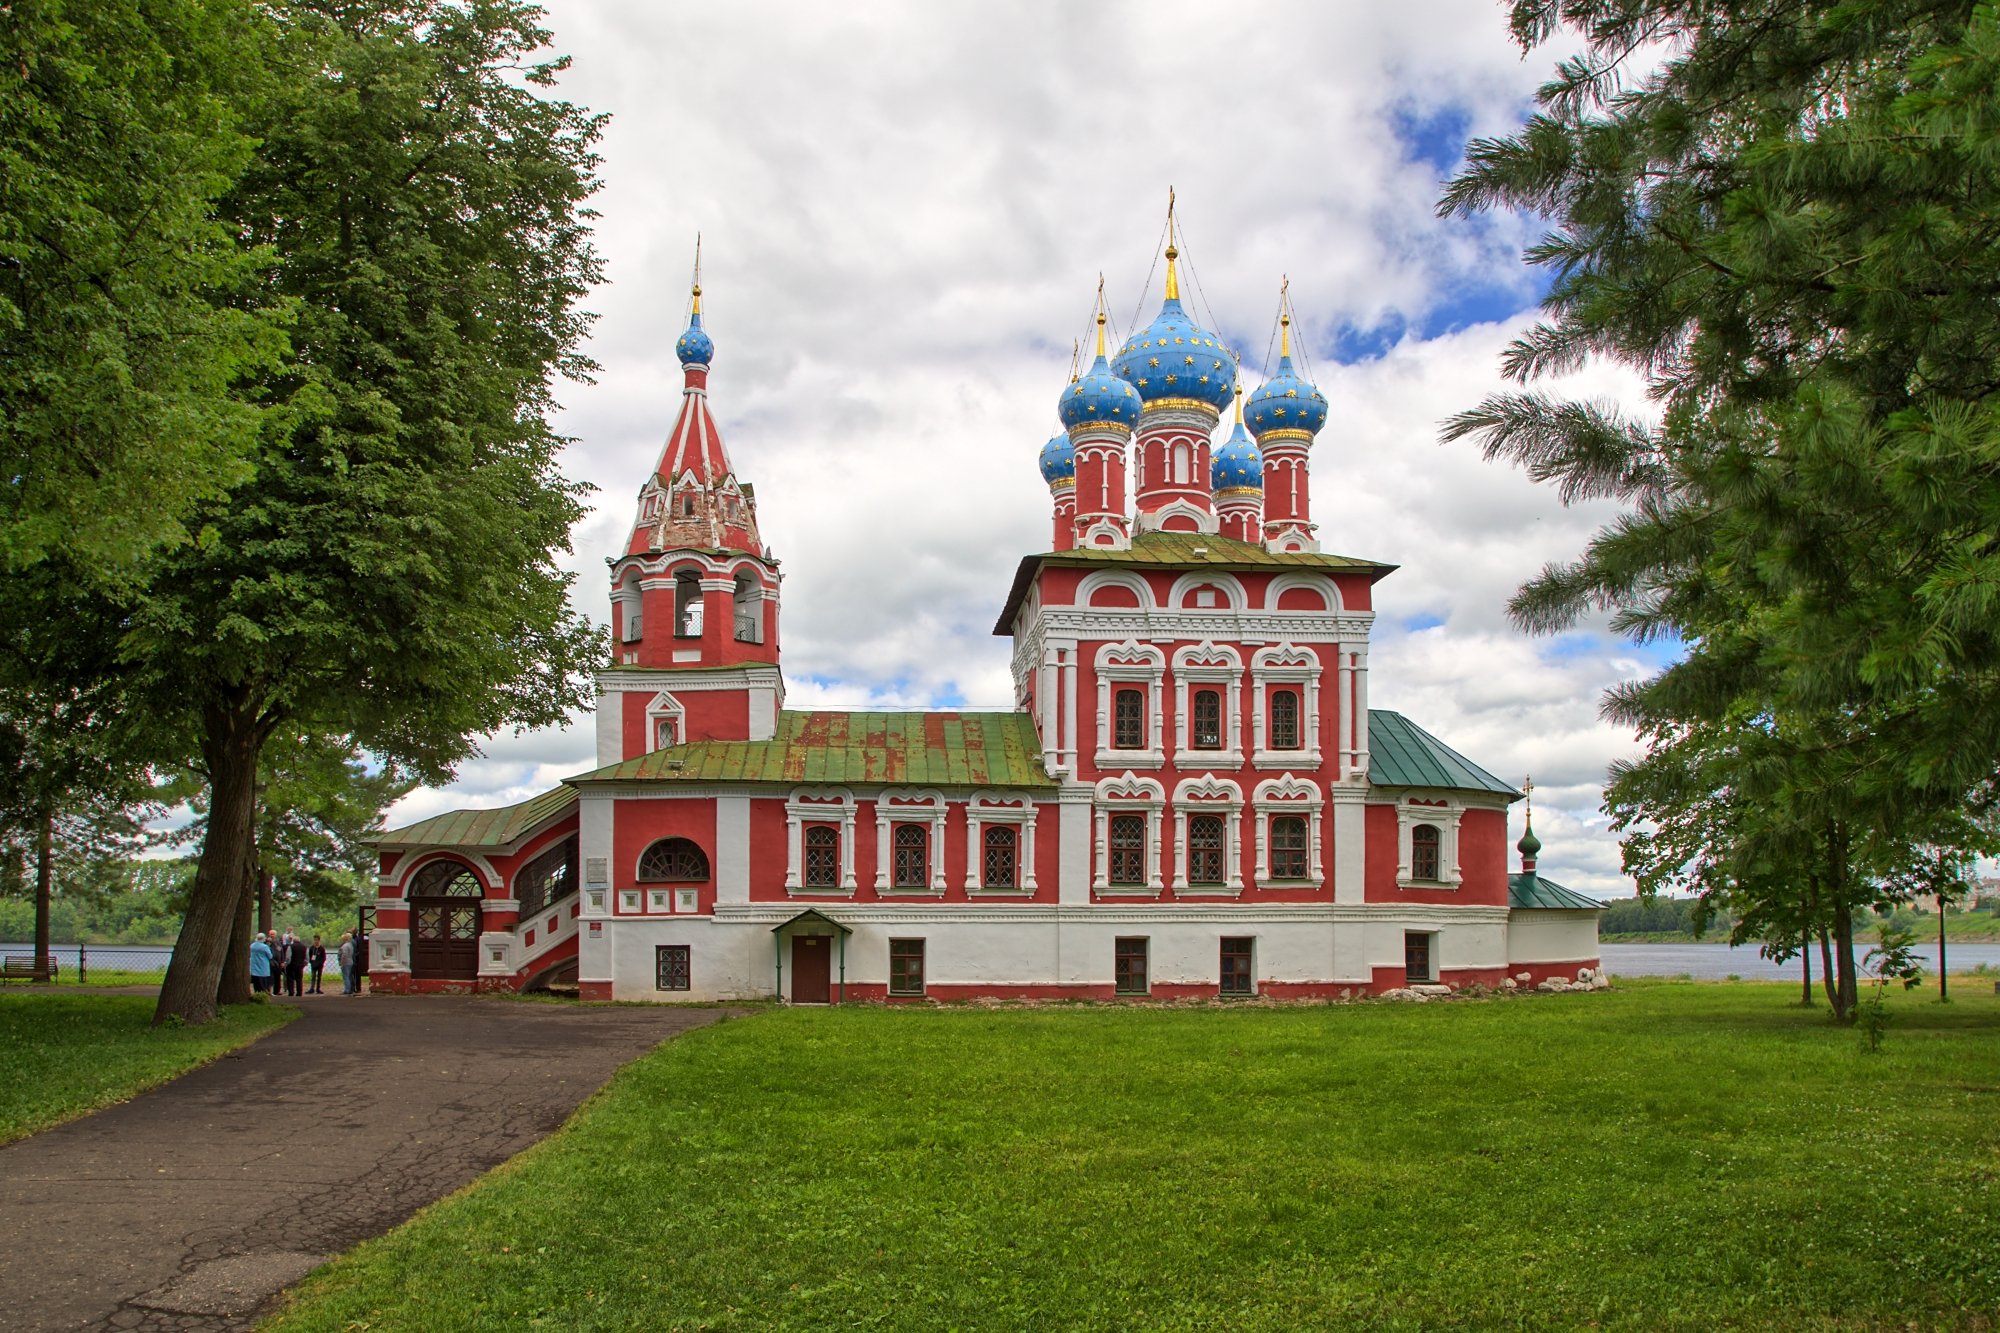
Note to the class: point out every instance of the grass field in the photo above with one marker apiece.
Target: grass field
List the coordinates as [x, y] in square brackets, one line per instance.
[64, 1054]
[1653, 1157]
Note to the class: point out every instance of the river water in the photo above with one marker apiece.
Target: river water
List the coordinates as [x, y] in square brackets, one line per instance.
[1715, 962]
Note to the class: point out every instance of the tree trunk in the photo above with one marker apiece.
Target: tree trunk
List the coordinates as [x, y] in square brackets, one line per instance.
[1847, 993]
[1805, 968]
[1826, 971]
[1942, 995]
[264, 911]
[45, 884]
[232, 738]
[234, 988]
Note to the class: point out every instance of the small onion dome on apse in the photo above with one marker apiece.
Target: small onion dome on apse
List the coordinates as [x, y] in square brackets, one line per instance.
[1100, 398]
[1173, 357]
[1058, 461]
[1286, 406]
[1238, 465]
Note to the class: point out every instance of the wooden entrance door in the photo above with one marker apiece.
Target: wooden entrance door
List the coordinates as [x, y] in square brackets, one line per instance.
[444, 938]
[812, 969]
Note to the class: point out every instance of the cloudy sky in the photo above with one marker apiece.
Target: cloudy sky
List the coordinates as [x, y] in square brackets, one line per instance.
[904, 211]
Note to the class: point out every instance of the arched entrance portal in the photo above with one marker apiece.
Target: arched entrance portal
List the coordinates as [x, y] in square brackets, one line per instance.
[444, 922]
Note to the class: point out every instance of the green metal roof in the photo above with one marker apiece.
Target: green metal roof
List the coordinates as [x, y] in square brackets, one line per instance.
[917, 749]
[481, 828]
[1528, 889]
[1403, 754]
[1179, 550]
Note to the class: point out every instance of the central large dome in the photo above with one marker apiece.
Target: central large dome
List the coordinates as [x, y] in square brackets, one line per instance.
[1176, 358]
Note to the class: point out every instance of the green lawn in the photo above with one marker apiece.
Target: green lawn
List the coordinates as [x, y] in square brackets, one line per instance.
[1666, 1156]
[64, 1054]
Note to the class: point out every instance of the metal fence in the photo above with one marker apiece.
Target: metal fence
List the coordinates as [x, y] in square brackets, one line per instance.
[93, 964]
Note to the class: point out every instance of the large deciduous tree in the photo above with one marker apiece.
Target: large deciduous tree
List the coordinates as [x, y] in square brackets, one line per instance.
[388, 573]
[1783, 213]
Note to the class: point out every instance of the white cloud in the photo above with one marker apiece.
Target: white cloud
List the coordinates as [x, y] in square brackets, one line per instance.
[904, 211]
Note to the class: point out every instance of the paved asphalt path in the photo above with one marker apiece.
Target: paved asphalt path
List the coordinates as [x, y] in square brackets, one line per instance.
[193, 1205]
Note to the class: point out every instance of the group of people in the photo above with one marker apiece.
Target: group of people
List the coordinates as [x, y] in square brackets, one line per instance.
[286, 964]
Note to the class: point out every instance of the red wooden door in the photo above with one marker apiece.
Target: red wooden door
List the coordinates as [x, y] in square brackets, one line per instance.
[444, 938]
[812, 969]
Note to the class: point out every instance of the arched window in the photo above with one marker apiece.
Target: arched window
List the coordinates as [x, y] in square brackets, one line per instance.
[1000, 866]
[822, 857]
[674, 859]
[633, 622]
[1285, 720]
[1204, 850]
[1207, 710]
[749, 609]
[1180, 473]
[1128, 850]
[446, 879]
[912, 845]
[1288, 847]
[666, 732]
[687, 503]
[1424, 852]
[1128, 719]
[687, 605]
[548, 878]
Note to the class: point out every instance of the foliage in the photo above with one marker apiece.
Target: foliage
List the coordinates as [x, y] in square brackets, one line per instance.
[120, 128]
[1654, 915]
[1651, 1158]
[1892, 959]
[1780, 212]
[67, 1055]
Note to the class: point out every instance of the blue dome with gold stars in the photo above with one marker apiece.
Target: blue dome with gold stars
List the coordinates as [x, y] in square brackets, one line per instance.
[1238, 463]
[1058, 460]
[1099, 398]
[1174, 357]
[1285, 402]
[695, 347]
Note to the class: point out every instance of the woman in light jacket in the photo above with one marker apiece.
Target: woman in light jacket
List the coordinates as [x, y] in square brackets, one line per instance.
[260, 964]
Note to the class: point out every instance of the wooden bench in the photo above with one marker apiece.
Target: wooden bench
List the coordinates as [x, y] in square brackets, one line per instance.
[21, 967]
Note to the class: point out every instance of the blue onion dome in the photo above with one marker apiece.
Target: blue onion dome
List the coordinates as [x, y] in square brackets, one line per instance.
[695, 347]
[1058, 460]
[1174, 357]
[1239, 463]
[1100, 398]
[1285, 402]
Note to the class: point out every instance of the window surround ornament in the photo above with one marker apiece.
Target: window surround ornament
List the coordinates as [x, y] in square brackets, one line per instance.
[665, 709]
[819, 805]
[1128, 794]
[909, 805]
[1281, 665]
[1289, 795]
[674, 865]
[443, 875]
[1209, 795]
[1210, 664]
[1013, 808]
[1442, 812]
[1131, 663]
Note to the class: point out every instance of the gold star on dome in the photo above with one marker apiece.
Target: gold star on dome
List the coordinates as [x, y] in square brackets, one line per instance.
[1204, 379]
[1142, 382]
[1180, 340]
[1154, 362]
[1277, 411]
[1291, 393]
[1163, 342]
[1218, 365]
[1170, 379]
[1188, 359]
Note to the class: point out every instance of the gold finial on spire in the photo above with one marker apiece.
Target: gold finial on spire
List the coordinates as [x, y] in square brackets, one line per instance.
[1239, 402]
[697, 273]
[1173, 252]
[1284, 318]
[1528, 790]
[1075, 353]
[1100, 314]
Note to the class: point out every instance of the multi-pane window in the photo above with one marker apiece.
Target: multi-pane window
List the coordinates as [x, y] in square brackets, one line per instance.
[1128, 850]
[1285, 720]
[1204, 850]
[822, 869]
[1128, 719]
[906, 967]
[1000, 863]
[1207, 709]
[1236, 968]
[670, 964]
[1416, 956]
[1129, 966]
[912, 868]
[1424, 852]
[673, 859]
[1288, 847]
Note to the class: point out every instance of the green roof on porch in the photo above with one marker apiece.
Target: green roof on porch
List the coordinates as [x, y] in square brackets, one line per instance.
[915, 749]
[481, 828]
[1403, 754]
[1528, 889]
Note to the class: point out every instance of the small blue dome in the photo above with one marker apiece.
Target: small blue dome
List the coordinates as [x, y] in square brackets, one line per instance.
[695, 347]
[1238, 463]
[1286, 402]
[1173, 357]
[1058, 460]
[1099, 398]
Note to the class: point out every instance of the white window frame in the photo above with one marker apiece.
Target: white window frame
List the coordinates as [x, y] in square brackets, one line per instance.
[1131, 663]
[819, 805]
[1290, 795]
[1000, 808]
[665, 708]
[1285, 664]
[909, 805]
[1209, 795]
[1209, 664]
[1443, 813]
[1128, 794]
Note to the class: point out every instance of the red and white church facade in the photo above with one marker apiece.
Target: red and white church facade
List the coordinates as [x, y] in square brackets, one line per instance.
[1191, 797]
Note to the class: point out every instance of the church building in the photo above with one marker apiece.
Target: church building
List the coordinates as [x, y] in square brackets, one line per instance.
[1191, 796]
